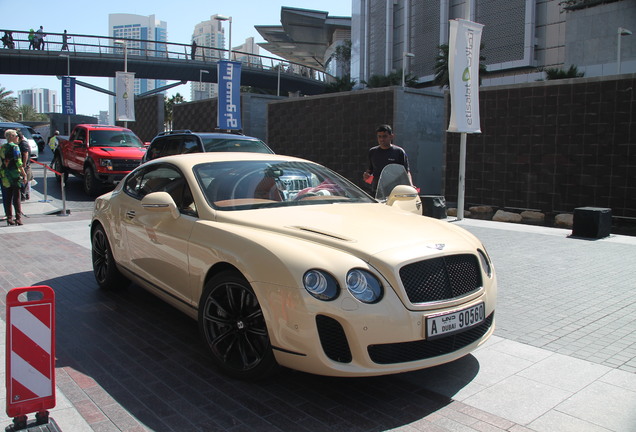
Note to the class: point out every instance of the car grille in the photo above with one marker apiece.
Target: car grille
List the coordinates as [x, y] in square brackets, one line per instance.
[424, 349]
[441, 278]
[333, 339]
[125, 164]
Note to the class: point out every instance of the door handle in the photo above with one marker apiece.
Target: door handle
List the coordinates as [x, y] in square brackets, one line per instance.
[130, 214]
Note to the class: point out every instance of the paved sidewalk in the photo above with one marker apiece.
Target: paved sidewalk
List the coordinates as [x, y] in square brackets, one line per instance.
[563, 357]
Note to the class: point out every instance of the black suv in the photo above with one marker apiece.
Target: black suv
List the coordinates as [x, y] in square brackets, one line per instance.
[185, 141]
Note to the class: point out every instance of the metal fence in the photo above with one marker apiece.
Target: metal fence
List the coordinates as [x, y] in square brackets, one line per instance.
[153, 50]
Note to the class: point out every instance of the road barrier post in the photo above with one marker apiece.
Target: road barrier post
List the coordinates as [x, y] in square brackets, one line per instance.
[30, 354]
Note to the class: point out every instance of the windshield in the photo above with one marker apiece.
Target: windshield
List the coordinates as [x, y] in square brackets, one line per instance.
[235, 145]
[114, 138]
[243, 185]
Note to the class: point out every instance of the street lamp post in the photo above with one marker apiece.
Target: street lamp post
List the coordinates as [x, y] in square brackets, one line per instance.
[201, 72]
[621, 32]
[404, 56]
[123, 43]
[227, 18]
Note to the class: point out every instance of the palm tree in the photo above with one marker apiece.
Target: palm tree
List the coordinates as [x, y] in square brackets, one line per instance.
[442, 78]
[28, 113]
[556, 73]
[8, 105]
[168, 106]
[341, 84]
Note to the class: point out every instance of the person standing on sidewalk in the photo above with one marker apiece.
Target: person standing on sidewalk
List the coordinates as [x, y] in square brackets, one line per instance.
[383, 154]
[25, 151]
[12, 174]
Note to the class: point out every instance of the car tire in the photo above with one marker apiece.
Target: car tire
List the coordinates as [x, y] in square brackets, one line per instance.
[57, 166]
[233, 327]
[105, 269]
[92, 186]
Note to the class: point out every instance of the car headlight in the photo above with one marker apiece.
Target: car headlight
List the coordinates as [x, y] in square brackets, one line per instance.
[485, 262]
[106, 163]
[364, 286]
[321, 285]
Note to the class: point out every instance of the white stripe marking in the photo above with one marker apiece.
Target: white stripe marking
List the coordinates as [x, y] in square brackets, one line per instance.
[32, 327]
[29, 377]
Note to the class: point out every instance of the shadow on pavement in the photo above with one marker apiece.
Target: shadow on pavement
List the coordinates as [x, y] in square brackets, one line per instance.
[148, 357]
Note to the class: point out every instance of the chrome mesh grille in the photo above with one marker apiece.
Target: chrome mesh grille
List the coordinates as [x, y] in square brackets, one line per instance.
[441, 278]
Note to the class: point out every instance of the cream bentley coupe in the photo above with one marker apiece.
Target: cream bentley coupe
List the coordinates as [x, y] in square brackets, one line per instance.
[283, 262]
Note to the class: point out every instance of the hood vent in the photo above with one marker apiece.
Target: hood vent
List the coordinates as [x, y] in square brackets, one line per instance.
[323, 233]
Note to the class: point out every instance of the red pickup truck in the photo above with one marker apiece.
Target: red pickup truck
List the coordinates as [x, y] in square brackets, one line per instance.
[100, 154]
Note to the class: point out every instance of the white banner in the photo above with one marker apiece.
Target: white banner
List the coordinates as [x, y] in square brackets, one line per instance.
[125, 106]
[463, 73]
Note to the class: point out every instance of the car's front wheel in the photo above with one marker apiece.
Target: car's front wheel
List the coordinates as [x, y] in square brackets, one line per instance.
[232, 324]
[105, 269]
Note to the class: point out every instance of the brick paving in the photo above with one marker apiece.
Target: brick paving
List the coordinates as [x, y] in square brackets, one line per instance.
[568, 295]
[126, 361]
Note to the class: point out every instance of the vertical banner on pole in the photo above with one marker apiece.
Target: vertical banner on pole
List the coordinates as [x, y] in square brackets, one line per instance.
[68, 96]
[125, 86]
[229, 103]
[30, 350]
[463, 72]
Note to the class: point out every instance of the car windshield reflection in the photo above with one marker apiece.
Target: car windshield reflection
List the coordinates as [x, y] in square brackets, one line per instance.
[244, 185]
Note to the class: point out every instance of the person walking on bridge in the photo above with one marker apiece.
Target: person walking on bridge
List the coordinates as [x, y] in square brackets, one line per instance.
[39, 38]
[31, 39]
[65, 38]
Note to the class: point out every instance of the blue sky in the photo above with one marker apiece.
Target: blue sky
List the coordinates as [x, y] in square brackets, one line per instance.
[91, 18]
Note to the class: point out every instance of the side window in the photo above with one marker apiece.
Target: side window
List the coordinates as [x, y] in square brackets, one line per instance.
[133, 183]
[156, 149]
[191, 145]
[81, 135]
[162, 178]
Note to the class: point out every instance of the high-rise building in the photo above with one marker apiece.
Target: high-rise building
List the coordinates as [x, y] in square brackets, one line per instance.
[520, 38]
[42, 100]
[210, 38]
[146, 32]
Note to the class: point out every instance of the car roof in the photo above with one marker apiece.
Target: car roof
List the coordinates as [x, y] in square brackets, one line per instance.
[104, 127]
[12, 124]
[206, 135]
[191, 159]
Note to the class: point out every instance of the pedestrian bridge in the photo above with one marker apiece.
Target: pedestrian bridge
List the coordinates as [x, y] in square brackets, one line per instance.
[101, 56]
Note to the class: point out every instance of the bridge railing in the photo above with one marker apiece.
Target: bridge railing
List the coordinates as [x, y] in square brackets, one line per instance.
[170, 51]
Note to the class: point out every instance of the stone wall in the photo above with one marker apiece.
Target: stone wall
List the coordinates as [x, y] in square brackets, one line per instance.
[552, 146]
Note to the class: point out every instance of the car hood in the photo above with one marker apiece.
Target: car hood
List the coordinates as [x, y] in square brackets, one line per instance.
[365, 230]
[119, 152]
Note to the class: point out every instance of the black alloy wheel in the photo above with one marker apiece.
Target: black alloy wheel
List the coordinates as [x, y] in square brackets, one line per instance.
[234, 329]
[105, 269]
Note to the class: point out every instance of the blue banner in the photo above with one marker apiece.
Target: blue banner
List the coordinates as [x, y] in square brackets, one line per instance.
[68, 95]
[229, 104]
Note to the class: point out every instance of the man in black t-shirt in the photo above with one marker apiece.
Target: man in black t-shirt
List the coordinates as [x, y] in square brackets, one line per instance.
[383, 154]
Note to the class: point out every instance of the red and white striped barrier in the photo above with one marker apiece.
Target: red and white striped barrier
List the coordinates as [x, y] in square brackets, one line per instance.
[30, 350]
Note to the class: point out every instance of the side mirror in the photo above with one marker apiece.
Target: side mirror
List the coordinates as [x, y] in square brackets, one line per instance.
[160, 202]
[78, 143]
[406, 198]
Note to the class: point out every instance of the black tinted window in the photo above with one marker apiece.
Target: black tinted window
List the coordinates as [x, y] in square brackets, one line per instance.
[231, 144]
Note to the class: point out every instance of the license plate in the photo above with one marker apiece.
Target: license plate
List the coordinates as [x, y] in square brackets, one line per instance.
[454, 322]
